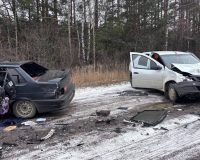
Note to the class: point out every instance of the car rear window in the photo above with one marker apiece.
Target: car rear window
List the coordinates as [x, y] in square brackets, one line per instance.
[34, 69]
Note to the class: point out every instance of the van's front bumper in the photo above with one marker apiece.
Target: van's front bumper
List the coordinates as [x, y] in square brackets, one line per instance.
[187, 88]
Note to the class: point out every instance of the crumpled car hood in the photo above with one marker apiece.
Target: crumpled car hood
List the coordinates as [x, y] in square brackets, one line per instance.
[193, 69]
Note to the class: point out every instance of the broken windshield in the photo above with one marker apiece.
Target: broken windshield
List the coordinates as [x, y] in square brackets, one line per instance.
[34, 69]
[179, 59]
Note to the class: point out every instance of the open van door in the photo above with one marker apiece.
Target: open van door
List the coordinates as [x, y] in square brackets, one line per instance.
[146, 72]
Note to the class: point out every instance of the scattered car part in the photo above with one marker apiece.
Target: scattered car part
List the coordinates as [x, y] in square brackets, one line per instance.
[128, 122]
[10, 128]
[133, 93]
[150, 117]
[80, 144]
[123, 108]
[50, 134]
[163, 128]
[40, 120]
[118, 130]
[103, 113]
[29, 123]
[11, 121]
[105, 120]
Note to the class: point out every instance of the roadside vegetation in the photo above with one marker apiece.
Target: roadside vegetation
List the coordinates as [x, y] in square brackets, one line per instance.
[102, 74]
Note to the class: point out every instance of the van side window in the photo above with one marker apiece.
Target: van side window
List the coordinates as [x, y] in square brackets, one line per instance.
[140, 62]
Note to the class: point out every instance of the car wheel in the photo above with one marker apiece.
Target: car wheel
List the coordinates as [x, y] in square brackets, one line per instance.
[24, 109]
[172, 94]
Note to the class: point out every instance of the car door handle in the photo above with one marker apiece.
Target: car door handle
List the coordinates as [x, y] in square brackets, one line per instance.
[135, 73]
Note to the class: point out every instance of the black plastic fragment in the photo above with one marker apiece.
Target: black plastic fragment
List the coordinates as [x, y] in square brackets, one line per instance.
[150, 117]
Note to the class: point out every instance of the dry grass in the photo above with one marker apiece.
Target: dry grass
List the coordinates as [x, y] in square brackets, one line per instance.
[88, 76]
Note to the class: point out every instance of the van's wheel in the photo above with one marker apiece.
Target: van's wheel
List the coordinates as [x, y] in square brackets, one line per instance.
[24, 109]
[171, 93]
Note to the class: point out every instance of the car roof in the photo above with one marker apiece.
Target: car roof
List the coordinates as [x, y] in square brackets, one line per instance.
[168, 52]
[12, 64]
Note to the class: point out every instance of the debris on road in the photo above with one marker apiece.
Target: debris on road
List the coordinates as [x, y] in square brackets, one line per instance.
[29, 123]
[150, 117]
[128, 122]
[195, 113]
[10, 128]
[163, 128]
[106, 121]
[133, 93]
[50, 134]
[118, 130]
[123, 108]
[5, 144]
[179, 109]
[80, 144]
[33, 142]
[10, 121]
[103, 113]
[40, 120]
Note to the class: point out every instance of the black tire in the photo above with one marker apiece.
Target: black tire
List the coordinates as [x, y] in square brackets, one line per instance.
[24, 109]
[172, 94]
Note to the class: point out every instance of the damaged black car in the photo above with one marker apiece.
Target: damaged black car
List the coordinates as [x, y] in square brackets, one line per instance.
[32, 88]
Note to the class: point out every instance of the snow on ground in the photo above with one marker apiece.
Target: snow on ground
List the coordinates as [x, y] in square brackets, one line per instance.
[181, 140]
[88, 100]
[138, 144]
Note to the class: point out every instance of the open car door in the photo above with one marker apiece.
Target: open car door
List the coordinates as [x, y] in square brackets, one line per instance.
[7, 84]
[146, 72]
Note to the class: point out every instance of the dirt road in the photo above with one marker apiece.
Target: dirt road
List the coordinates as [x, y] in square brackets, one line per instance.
[80, 134]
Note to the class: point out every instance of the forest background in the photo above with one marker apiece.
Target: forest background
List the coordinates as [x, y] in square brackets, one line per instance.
[94, 37]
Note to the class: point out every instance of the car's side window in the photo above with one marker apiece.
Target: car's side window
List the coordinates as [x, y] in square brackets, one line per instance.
[140, 62]
[16, 77]
[152, 64]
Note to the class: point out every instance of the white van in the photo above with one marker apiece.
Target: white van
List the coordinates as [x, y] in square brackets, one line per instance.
[175, 73]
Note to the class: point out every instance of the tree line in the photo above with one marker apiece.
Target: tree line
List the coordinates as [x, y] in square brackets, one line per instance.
[63, 33]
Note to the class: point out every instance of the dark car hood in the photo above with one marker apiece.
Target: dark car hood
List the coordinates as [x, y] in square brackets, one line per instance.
[53, 75]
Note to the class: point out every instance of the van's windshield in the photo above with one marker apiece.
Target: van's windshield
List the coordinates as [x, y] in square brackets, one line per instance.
[179, 59]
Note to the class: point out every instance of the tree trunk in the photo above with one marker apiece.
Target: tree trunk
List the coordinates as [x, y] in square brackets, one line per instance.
[55, 9]
[69, 27]
[83, 33]
[43, 11]
[16, 27]
[37, 11]
[94, 47]
[96, 14]
[166, 3]
[89, 41]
